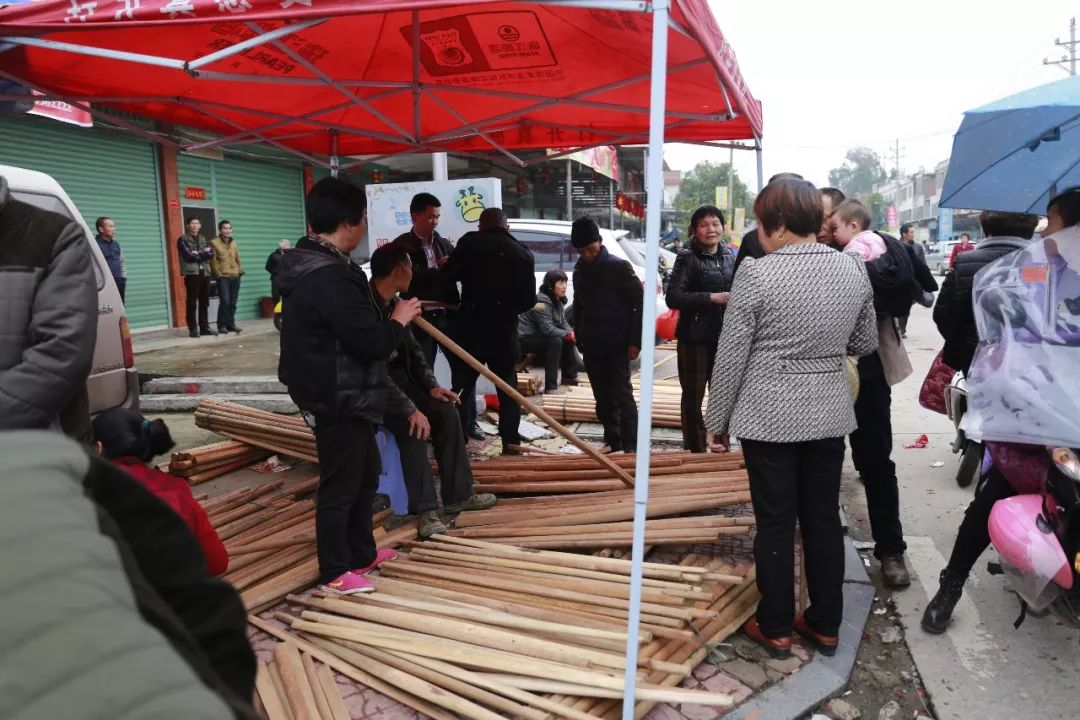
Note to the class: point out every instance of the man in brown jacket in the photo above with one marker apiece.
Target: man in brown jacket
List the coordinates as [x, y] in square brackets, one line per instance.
[226, 269]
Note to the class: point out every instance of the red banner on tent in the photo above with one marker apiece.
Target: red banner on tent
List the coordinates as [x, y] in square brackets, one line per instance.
[62, 111]
[384, 76]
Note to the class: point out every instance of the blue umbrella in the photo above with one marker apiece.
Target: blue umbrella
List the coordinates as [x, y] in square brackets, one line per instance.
[1015, 153]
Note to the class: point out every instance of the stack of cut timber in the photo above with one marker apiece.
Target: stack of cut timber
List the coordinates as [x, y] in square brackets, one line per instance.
[583, 508]
[578, 474]
[578, 404]
[452, 641]
[282, 434]
[528, 384]
[269, 533]
[210, 461]
[291, 686]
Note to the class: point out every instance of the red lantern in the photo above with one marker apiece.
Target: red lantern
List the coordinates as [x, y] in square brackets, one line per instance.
[376, 176]
[521, 186]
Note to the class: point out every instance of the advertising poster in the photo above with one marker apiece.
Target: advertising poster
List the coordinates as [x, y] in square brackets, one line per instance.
[462, 202]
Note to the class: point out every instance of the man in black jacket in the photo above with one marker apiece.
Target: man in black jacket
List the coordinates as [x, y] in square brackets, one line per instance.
[419, 410]
[953, 314]
[497, 285]
[429, 251]
[925, 278]
[608, 299]
[334, 349]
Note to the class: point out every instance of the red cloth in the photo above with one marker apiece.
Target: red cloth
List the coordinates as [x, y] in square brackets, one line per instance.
[957, 249]
[176, 493]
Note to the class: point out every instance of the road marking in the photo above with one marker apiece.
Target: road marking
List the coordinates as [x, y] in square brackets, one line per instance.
[974, 646]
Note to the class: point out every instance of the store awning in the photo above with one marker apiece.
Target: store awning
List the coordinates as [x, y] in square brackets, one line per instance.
[382, 77]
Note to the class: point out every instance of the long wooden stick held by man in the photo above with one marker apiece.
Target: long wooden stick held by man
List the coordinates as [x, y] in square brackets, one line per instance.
[521, 400]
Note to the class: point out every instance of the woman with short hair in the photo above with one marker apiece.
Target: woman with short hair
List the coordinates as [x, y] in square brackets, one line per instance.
[699, 290]
[545, 332]
[781, 387]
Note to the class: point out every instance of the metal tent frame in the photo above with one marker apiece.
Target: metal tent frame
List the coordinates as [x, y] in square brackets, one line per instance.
[411, 140]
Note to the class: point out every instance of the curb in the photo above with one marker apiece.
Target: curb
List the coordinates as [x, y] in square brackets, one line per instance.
[823, 677]
[188, 402]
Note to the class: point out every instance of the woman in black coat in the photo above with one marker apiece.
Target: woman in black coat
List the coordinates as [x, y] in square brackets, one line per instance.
[699, 289]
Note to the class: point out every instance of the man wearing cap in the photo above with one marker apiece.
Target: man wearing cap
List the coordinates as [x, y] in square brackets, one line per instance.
[608, 298]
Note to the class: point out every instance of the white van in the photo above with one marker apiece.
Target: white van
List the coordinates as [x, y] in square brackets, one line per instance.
[114, 381]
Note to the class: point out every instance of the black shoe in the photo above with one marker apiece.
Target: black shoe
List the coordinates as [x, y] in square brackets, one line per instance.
[895, 572]
[938, 613]
[236, 329]
[193, 333]
[475, 433]
[208, 331]
[511, 451]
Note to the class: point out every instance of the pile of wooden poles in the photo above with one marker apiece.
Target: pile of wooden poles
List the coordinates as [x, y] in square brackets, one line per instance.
[462, 628]
[578, 404]
[292, 686]
[529, 384]
[210, 461]
[584, 508]
[269, 532]
[282, 434]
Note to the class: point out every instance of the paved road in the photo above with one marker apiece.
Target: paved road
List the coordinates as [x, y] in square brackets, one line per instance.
[982, 668]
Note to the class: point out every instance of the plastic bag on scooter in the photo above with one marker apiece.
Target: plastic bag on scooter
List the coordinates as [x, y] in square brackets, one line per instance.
[1023, 386]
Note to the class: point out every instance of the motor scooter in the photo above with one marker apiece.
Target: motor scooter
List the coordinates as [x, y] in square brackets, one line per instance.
[971, 452]
[1037, 533]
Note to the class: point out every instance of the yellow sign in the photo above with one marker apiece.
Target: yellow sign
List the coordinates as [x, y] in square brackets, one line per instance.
[721, 196]
[739, 223]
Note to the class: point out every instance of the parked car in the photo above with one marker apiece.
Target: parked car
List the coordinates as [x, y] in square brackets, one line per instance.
[635, 251]
[114, 381]
[549, 241]
[936, 258]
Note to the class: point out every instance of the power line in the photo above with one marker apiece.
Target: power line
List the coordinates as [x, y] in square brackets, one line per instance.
[1069, 58]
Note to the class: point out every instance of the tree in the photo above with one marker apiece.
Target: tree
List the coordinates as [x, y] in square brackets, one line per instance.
[875, 202]
[698, 187]
[862, 169]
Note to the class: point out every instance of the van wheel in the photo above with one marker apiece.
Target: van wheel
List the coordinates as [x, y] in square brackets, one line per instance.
[277, 322]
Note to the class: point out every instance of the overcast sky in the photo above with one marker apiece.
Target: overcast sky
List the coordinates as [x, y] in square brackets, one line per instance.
[834, 75]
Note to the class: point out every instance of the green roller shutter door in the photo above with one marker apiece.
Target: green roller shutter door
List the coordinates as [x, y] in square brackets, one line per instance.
[263, 201]
[106, 173]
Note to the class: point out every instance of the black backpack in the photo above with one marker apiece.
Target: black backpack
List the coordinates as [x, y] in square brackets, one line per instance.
[893, 279]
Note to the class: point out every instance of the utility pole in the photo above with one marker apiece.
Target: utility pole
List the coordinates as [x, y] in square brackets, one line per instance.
[897, 156]
[1068, 59]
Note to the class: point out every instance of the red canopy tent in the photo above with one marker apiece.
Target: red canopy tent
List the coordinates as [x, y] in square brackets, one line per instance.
[339, 77]
[332, 77]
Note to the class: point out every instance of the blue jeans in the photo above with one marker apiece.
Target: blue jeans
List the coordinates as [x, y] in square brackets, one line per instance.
[228, 289]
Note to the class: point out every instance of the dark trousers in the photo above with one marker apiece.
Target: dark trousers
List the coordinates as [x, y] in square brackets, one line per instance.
[349, 468]
[449, 444]
[974, 535]
[228, 290]
[695, 368]
[871, 451]
[609, 375]
[498, 348]
[198, 294]
[121, 286]
[902, 321]
[555, 352]
[789, 481]
[441, 320]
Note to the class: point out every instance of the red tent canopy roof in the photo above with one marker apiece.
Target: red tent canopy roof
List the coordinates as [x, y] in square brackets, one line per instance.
[385, 76]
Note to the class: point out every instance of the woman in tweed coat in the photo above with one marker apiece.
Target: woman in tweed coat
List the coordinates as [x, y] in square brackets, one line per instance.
[780, 385]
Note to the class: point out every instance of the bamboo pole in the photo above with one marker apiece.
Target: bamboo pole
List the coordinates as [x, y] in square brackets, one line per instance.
[279, 688]
[674, 696]
[520, 399]
[356, 674]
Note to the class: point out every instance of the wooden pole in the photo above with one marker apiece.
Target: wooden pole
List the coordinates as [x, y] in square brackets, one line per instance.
[299, 693]
[523, 402]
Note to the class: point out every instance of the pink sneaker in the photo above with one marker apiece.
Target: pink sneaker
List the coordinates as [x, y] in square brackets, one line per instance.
[349, 583]
[381, 556]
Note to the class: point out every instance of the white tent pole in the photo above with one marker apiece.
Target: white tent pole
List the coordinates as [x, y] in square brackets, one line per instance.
[252, 42]
[335, 161]
[440, 169]
[654, 186]
[569, 190]
[760, 173]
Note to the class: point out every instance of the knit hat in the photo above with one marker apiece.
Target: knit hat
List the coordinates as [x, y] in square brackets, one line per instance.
[584, 232]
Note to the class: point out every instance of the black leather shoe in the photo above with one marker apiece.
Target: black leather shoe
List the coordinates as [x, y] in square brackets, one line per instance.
[475, 433]
[208, 331]
[236, 329]
[193, 333]
[895, 572]
[939, 612]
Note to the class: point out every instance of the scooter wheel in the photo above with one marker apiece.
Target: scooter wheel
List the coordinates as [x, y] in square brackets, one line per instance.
[970, 462]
